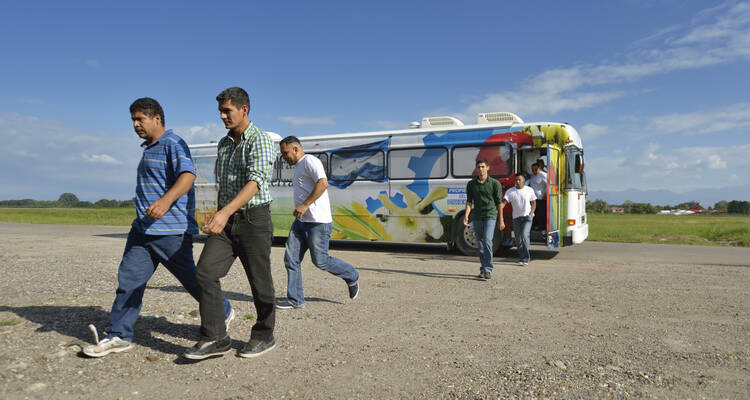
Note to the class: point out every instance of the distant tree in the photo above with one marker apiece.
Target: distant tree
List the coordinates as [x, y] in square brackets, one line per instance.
[67, 200]
[687, 205]
[627, 206]
[597, 206]
[738, 207]
[84, 204]
[104, 203]
[642, 208]
[721, 205]
[127, 203]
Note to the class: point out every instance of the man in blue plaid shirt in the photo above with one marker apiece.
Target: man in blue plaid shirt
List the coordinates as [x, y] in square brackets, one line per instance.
[240, 228]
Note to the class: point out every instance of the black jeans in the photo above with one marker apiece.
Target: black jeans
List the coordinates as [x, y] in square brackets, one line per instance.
[247, 235]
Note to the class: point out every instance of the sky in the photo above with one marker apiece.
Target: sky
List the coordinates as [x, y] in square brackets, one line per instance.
[658, 89]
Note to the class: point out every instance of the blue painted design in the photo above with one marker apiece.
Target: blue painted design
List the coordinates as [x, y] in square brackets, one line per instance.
[366, 171]
[373, 204]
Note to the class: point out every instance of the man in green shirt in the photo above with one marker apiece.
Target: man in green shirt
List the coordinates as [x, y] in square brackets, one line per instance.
[484, 195]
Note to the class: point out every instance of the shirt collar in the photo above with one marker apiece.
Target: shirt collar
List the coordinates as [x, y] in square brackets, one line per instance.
[146, 144]
[246, 134]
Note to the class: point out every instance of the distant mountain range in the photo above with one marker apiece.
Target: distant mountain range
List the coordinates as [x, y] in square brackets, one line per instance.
[706, 197]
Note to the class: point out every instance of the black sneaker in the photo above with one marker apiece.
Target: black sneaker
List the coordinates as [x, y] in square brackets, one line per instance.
[257, 347]
[354, 290]
[488, 275]
[203, 349]
[481, 275]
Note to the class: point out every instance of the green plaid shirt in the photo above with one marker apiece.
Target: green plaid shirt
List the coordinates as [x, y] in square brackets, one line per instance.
[251, 160]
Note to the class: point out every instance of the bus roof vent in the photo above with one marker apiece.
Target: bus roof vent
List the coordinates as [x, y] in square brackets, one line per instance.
[435, 122]
[498, 117]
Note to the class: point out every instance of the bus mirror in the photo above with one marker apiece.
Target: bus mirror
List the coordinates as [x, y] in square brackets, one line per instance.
[579, 163]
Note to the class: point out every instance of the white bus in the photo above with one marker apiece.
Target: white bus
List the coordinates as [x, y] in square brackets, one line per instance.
[410, 185]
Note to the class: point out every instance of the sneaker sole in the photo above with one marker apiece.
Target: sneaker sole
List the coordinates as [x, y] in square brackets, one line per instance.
[229, 320]
[205, 356]
[104, 353]
[251, 355]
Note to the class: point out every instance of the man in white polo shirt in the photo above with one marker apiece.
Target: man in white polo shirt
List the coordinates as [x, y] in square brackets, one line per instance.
[312, 225]
[523, 201]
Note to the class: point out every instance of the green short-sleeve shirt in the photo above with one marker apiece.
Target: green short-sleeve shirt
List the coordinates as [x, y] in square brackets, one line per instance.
[484, 198]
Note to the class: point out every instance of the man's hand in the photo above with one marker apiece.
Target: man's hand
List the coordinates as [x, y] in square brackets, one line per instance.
[216, 224]
[158, 208]
[300, 211]
[501, 224]
[466, 220]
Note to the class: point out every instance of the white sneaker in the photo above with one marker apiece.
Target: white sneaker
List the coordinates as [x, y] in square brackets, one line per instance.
[106, 346]
[229, 319]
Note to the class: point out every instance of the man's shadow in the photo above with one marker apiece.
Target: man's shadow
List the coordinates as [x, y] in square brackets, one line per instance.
[73, 321]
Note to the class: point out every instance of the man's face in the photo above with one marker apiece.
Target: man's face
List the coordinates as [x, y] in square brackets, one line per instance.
[535, 169]
[519, 181]
[290, 153]
[232, 116]
[483, 169]
[146, 127]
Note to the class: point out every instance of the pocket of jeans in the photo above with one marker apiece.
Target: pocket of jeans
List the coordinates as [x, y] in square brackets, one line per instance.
[258, 217]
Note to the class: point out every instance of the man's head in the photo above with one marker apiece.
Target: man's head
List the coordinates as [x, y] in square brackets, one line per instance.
[483, 167]
[520, 179]
[148, 118]
[291, 149]
[535, 168]
[234, 107]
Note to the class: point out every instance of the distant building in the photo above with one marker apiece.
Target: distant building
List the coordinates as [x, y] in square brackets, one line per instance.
[616, 209]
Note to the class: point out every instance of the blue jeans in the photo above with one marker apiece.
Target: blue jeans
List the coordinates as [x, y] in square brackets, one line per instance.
[142, 255]
[522, 229]
[315, 237]
[484, 231]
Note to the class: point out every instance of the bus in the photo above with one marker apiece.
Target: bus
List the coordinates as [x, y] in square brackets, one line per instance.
[409, 185]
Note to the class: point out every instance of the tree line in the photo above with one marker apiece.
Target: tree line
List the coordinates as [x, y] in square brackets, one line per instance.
[68, 200]
[629, 207]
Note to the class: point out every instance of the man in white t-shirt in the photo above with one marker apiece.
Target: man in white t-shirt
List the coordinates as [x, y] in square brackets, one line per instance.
[523, 201]
[311, 229]
[538, 182]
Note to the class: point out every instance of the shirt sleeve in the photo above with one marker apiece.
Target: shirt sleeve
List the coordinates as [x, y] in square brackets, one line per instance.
[469, 194]
[260, 160]
[315, 169]
[498, 193]
[179, 157]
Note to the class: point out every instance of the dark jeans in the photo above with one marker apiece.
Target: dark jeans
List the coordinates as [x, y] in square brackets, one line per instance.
[142, 255]
[247, 235]
[540, 215]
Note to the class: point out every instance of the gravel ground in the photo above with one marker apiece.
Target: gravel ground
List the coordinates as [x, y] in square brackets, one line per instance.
[598, 320]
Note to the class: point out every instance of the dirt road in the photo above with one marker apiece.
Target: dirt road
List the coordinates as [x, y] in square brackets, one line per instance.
[597, 320]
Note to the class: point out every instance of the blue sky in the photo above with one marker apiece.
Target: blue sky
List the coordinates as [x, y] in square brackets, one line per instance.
[658, 89]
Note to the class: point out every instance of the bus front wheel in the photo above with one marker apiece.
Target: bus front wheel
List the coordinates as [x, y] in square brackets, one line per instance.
[464, 240]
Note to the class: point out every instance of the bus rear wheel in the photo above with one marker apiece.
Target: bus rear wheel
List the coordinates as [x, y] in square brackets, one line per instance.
[465, 241]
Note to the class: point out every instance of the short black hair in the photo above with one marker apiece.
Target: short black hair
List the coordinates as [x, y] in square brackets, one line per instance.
[237, 95]
[148, 106]
[481, 161]
[289, 140]
[521, 175]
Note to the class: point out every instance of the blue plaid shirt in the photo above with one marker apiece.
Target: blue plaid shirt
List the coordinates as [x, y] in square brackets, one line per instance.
[251, 160]
[162, 163]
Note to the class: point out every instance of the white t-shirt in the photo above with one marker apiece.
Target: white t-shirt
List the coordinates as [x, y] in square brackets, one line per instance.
[307, 172]
[538, 182]
[520, 199]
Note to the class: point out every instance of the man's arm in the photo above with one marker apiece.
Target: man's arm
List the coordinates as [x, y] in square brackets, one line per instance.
[467, 211]
[217, 222]
[158, 208]
[533, 207]
[500, 217]
[320, 187]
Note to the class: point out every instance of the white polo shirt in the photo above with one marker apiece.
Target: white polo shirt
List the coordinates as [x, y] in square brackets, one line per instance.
[520, 199]
[307, 172]
[538, 182]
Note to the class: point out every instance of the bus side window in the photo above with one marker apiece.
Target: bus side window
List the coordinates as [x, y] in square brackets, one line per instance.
[358, 165]
[499, 156]
[418, 163]
[323, 157]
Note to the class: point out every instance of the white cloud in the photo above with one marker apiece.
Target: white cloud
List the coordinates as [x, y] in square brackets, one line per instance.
[100, 159]
[677, 169]
[735, 116]
[720, 35]
[590, 131]
[298, 122]
[205, 133]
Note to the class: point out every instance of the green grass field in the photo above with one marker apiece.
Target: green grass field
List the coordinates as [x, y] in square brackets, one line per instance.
[69, 216]
[707, 230]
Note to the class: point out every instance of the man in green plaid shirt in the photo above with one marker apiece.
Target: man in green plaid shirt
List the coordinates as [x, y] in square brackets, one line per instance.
[240, 228]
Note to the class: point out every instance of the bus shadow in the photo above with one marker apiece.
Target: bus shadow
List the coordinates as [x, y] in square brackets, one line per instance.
[234, 296]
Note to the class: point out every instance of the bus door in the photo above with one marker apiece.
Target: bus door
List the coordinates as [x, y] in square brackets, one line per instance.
[553, 197]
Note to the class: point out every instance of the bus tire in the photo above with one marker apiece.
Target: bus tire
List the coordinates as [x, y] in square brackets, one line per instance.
[464, 240]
